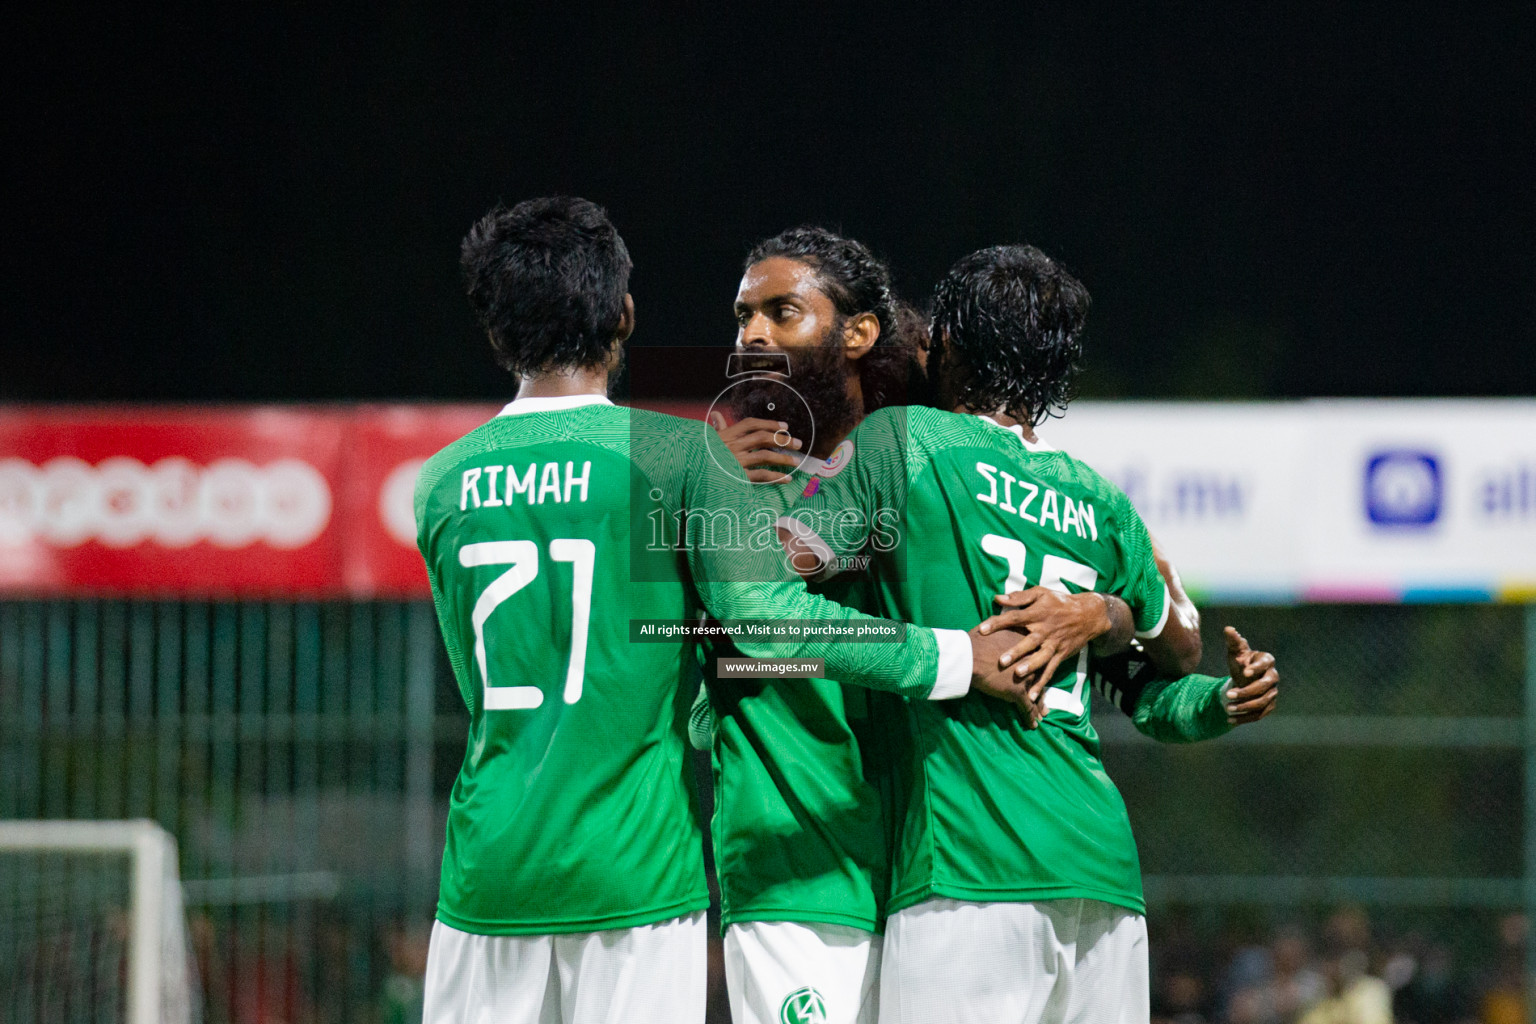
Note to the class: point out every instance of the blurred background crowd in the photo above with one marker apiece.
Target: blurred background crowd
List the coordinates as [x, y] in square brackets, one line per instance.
[1336, 970]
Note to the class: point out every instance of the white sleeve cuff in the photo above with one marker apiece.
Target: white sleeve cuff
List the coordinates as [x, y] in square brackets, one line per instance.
[1162, 620]
[954, 664]
[801, 531]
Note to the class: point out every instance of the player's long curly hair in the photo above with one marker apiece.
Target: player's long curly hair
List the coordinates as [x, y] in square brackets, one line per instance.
[857, 281]
[547, 280]
[1007, 325]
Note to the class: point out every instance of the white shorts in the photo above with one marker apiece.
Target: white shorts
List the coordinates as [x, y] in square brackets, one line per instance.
[653, 972]
[1048, 962]
[793, 972]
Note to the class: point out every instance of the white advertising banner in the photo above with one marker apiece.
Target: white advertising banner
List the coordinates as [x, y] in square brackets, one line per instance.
[1369, 500]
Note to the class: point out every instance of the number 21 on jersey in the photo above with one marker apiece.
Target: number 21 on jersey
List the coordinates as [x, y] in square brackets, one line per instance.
[522, 559]
[1055, 572]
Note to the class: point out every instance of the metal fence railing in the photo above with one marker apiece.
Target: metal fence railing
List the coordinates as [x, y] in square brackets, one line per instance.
[302, 754]
[296, 751]
[1389, 793]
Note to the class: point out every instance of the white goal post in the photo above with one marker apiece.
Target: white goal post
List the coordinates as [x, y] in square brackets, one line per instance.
[159, 985]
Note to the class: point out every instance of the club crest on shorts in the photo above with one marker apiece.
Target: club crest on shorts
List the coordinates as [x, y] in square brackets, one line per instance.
[834, 464]
[803, 1005]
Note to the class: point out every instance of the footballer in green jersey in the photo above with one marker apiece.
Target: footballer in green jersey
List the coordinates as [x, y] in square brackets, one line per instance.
[799, 829]
[803, 807]
[571, 815]
[1014, 841]
[805, 795]
[977, 510]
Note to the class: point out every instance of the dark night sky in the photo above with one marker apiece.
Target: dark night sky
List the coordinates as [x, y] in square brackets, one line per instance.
[1264, 200]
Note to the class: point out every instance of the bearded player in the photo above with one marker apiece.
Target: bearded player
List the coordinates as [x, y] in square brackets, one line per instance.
[806, 800]
[802, 810]
[1016, 892]
[573, 885]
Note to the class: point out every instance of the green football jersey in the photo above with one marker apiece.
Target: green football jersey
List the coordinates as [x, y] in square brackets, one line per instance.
[803, 818]
[955, 509]
[545, 534]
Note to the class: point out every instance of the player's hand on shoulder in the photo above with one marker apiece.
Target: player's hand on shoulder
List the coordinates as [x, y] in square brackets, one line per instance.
[759, 444]
[1255, 686]
[990, 676]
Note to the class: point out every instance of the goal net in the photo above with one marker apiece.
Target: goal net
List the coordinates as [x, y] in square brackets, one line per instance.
[91, 925]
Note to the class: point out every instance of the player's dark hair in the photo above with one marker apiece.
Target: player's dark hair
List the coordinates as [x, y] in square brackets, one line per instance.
[908, 383]
[851, 276]
[1008, 322]
[857, 281]
[911, 324]
[547, 280]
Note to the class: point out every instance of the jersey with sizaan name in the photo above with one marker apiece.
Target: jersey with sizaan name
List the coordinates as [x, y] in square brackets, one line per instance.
[956, 509]
[541, 532]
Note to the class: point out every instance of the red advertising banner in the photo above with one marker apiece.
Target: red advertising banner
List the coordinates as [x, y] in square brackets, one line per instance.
[251, 501]
[169, 501]
[385, 450]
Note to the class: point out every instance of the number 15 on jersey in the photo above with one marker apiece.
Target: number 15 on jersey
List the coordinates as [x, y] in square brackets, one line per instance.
[1055, 573]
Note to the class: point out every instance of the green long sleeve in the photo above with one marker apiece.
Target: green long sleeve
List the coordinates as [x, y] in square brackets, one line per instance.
[1184, 710]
